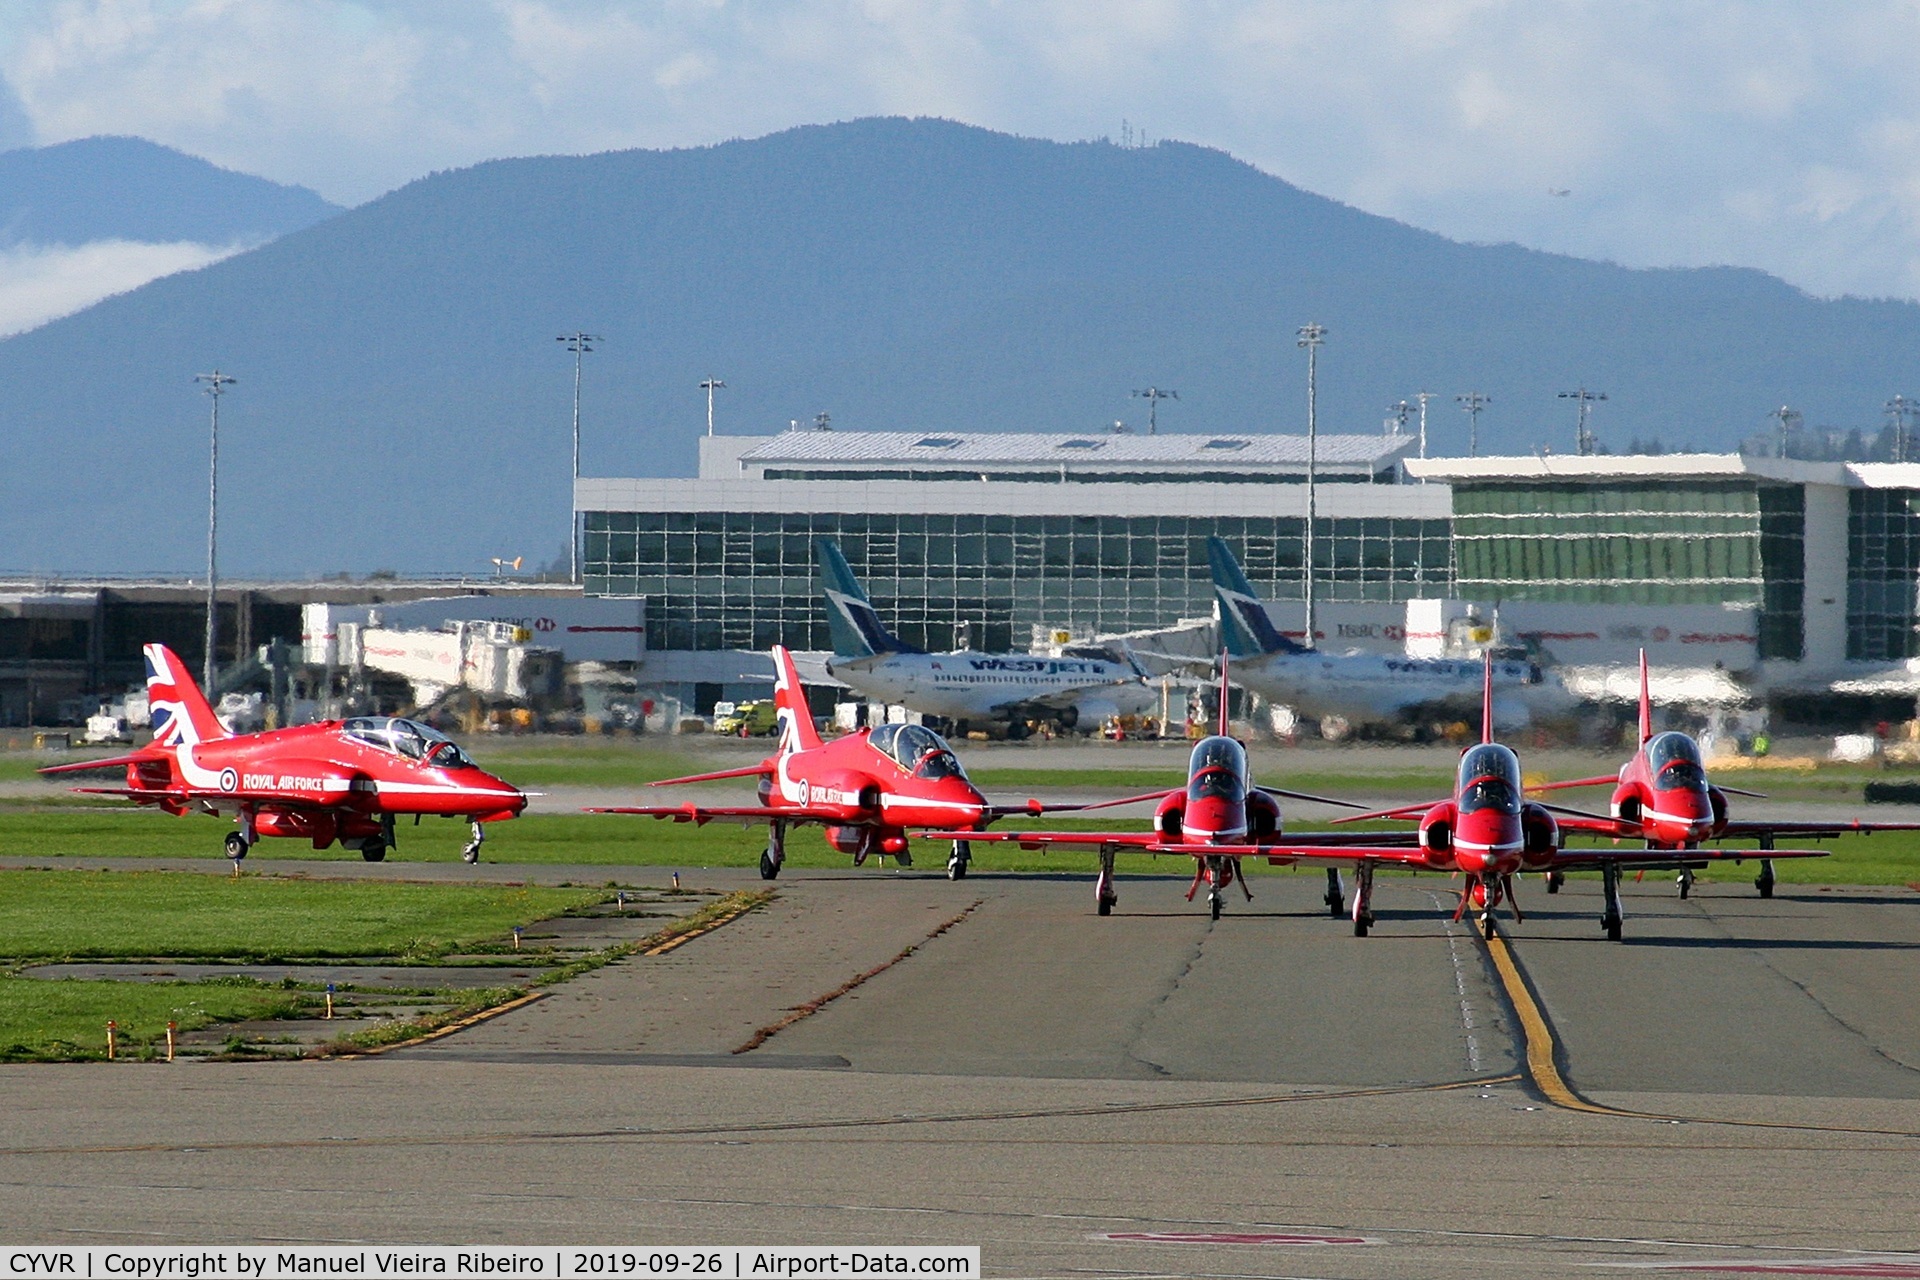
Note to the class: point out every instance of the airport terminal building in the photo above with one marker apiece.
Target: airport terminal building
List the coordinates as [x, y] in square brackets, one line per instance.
[1797, 577]
[1000, 533]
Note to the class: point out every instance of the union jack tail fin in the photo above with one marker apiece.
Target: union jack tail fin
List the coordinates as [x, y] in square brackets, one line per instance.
[180, 711]
[790, 706]
[1646, 701]
[1486, 697]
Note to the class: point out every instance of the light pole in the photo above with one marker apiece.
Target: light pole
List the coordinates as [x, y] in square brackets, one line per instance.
[710, 385]
[1583, 438]
[1311, 336]
[1423, 397]
[1789, 420]
[1153, 396]
[217, 383]
[1900, 415]
[1473, 402]
[578, 342]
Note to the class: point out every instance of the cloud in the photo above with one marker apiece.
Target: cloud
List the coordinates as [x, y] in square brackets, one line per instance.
[1723, 131]
[39, 283]
[16, 127]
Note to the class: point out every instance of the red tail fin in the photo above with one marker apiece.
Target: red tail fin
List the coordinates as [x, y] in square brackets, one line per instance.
[1486, 698]
[1646, 701]
[179, 710]
[1223, 693]
[790, 706]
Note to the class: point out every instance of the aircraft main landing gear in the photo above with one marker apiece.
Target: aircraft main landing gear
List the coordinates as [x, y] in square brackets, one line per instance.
[1554, 880]
[776, 851]
[1764, 881]
[471, 854]
[957, 863]
[1685, 882]
[1336, 898]
[1612, 917]
[374, 850]
[236, 845]
[1362, 899]
[1104, 895]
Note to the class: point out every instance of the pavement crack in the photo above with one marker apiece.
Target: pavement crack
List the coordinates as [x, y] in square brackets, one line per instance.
[1159, 1001]
[819, 1002]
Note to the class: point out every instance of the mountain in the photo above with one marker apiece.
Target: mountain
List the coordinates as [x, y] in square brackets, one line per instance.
[132, 189]
[402, 402]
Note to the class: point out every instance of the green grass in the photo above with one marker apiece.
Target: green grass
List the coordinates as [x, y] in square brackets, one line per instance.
[159, 914]
[68, 1020]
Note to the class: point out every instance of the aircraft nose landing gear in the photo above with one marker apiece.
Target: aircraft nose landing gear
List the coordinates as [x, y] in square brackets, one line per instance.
[471, 854]
[957, 864]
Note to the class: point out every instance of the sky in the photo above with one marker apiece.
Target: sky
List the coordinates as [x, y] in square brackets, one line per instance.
[1772, 134]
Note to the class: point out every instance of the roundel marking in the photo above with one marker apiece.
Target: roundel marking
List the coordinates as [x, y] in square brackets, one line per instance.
[229, 780]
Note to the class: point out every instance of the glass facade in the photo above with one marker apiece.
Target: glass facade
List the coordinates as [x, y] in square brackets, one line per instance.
[1639, 542]
[1883, 564]
[739, 580]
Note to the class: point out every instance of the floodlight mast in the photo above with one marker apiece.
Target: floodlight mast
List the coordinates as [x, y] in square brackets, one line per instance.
[711, 385]
[216, 385]
[1900, 414]
[1583, 438]
[1423, 397]
[1310, 337]
[579, 343]
[1473, 402]
[1789, 420]
[1153, 396]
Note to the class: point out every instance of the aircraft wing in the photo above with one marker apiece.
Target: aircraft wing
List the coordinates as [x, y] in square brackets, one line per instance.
[1152, 842]
[1666, 859]
[702, 814]
[753, 772]
[1760, 828]
[105, 762]
[1606, 780]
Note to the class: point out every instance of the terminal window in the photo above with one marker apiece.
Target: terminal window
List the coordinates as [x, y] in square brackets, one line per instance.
[746, 580]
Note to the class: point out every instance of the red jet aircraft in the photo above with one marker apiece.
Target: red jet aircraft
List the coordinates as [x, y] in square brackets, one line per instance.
[343, 780]
[1662, 796]
[866, 789]
[1490, 833]
[1217, 818]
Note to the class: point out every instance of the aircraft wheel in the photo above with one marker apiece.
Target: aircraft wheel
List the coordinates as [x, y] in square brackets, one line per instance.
[236, 845]
[1360, 927]
[1613, 930]
[956, 868]
[1018, 730]
[1554, 880]
[1766, 888]
[470, 855]
[374, 851]
[1486, 926]
[1104, 906]
[1213, 904]
[769, 869]
[904, 858]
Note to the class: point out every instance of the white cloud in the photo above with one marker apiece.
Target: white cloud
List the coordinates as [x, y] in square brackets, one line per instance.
[39, 283]
[1744, 131]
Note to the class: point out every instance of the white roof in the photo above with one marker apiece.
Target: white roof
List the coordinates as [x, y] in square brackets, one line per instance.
[1669, 466]
[1099, 450]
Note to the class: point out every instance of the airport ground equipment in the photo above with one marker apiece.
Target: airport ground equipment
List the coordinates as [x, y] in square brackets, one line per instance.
[866, 789]
[1663, 797]
[340, 780]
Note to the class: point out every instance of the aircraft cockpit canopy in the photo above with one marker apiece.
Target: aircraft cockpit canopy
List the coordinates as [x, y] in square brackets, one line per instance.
[1675, 761]
[407, 738]
[918, 750]
[1489, 779]
[1217, 770]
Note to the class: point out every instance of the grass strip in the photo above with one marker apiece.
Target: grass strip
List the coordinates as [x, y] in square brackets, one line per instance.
[490, 1002]
[815, 1005]
[180, 915]
[65, 1020]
